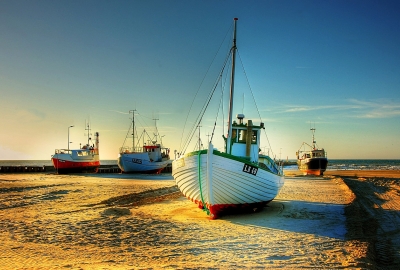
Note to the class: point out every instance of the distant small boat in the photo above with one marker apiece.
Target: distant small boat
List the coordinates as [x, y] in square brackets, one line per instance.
[313, 161]
[85, 159]
[231, 181]
[150, 158]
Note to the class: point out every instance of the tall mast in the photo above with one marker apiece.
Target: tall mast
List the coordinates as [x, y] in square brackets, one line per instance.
[313, 140]
[133, 129]
[88, 130]
[233, 49]
[156, 134]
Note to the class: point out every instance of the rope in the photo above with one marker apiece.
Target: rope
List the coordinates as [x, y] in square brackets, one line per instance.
[184, 143]
[254, 99]
[197, 92]
[203, 110]
[127, 135]
[221, 104]
[201, 190]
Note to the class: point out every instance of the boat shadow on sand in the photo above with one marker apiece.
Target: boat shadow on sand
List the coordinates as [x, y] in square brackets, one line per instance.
[325, 220]
[364, 221]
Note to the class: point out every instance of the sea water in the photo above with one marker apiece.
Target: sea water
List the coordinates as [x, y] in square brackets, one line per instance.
[364, 164]
[333, 164]
[358, 164]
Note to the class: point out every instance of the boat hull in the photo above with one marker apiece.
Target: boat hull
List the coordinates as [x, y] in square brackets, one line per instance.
[140, 163]
[67, 165]
[223, 183]
[313, 166]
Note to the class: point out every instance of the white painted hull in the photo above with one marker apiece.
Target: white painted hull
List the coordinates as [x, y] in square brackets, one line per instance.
[227, 184]
[140, 163]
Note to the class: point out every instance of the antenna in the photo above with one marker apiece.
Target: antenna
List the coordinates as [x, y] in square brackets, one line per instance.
[87, 127]
[313, 139]
[156, 134]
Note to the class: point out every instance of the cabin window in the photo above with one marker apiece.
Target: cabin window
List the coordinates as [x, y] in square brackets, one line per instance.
[242, 135]
[82, 153]
[254, 137]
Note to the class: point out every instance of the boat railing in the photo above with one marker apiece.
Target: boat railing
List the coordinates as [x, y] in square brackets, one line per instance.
[63, 151]
[128, 150]
[312, 154]
[270, 164]
[86, 152]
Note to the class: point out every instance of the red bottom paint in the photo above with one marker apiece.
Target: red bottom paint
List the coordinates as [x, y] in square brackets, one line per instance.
[64, 166]
[313, 172]
[218, 210]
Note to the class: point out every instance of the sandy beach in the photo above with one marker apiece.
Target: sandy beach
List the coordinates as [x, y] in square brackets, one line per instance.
[343, 220]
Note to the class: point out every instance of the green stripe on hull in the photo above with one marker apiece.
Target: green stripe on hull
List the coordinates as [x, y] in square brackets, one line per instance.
[236, 158]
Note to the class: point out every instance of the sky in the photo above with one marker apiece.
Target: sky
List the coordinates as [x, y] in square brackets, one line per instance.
[332, 65]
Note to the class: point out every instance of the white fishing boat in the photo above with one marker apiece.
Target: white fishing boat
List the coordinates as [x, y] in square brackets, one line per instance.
[84, 159]
[235, 180]
[148, 157]
[312, 160]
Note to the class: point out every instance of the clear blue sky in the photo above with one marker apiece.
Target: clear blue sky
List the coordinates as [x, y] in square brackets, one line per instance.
[335, 64]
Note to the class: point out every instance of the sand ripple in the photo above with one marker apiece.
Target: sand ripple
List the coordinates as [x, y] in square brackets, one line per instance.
[87, 222]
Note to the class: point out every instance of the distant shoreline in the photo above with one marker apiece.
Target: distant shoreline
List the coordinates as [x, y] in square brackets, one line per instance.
[345, 167]
[353, 173]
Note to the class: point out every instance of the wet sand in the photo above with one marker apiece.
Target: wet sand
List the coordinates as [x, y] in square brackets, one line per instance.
[346, 219]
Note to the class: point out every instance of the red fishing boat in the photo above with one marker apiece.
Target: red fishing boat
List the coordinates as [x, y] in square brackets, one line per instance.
[85, 159]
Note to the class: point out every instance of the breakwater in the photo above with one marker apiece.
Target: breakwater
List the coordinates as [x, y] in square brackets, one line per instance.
[22, 169]
[44, 168]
